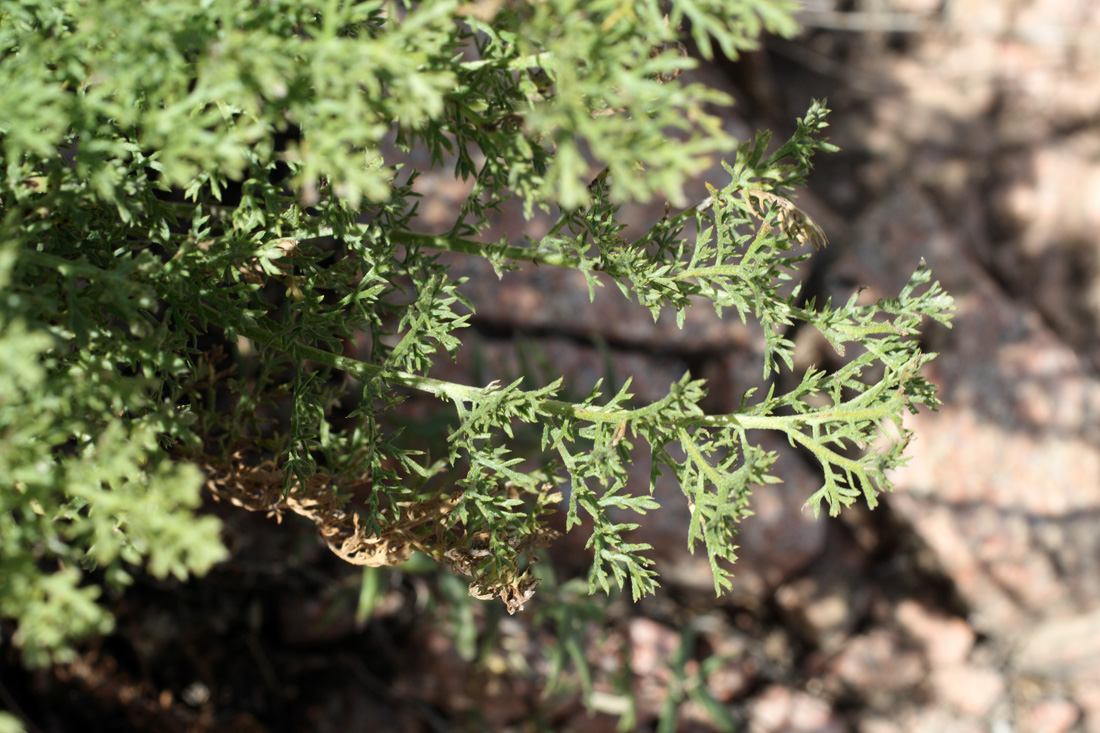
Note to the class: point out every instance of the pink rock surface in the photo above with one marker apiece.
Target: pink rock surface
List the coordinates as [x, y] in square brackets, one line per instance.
[1002, 480]
[946, 640]
[783, 710]
[1052, 716]
[652, 645]
[824, 603]
[877, 664]
[1062, 648]
[969, 689]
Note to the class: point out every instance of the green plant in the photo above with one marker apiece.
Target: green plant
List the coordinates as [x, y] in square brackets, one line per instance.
[199, 214]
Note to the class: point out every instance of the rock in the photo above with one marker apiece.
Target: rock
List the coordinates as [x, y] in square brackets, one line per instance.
[1063, 648]
[876, 724]
[934, 719]
[781, 709]
[1086, 693]
[917, 7]
[969, 689]
[824, 604]
[980, 17]
[1003, 483]
[921, 720]
[876, 666]
[1052, 716]
[557, 300]
[819, 611]
[946, 640]
[1050, 208]
[652, 645]
[482, 360]
[732, 680]
[741, 663]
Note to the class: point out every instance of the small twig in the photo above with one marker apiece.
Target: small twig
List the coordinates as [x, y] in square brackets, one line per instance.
[267, 671]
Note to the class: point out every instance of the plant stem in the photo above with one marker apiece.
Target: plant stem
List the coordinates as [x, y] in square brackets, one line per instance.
[790, 425]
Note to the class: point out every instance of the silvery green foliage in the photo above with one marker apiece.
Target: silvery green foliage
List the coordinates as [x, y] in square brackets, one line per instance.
[184, 177]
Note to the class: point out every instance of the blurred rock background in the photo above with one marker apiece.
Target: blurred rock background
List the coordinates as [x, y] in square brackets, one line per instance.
[968, 601]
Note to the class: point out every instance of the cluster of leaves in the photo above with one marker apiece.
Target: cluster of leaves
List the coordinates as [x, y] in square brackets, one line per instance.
[202, 212]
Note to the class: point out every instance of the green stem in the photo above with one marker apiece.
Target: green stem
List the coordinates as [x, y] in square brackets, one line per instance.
[791, 425]
[517, 64]
[466, 393]
[67, 267]
[788, 424]
[481, 249]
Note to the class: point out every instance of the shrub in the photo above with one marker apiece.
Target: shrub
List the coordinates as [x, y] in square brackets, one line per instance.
[202, 209]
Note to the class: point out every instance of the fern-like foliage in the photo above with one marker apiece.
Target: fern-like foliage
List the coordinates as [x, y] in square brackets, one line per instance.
[203, 212]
